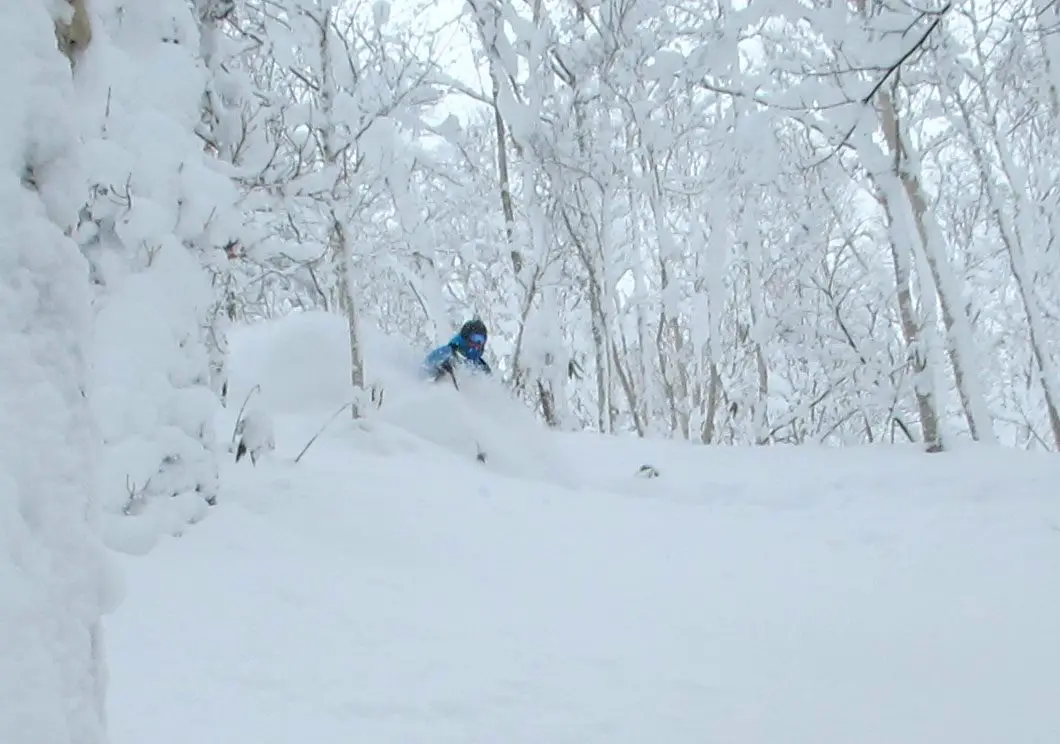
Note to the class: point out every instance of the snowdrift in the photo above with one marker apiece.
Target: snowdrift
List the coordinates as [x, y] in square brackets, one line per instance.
[297, 370]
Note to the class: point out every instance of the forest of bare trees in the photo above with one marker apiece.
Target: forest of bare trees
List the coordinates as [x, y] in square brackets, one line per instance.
[787, 222]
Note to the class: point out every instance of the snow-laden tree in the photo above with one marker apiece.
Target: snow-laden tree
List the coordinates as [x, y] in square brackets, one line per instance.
[229, 132]
[1002, 89]
[53, 684]
[628, 66]
[337, 215]
[160, 212]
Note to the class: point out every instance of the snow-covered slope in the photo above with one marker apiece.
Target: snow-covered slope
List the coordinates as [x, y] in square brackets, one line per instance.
[388, 588]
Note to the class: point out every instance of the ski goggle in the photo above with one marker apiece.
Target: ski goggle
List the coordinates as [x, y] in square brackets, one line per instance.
[476, 341]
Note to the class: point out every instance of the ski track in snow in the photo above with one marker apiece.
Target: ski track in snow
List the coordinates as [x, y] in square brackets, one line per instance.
[749, 596]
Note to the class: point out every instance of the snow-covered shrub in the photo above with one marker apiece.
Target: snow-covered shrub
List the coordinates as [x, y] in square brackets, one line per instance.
[53, 587]
[159, 215]
[257, 434]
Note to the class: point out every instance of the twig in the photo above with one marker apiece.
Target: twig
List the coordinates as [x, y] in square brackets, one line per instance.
[890, 72]
[321, 430]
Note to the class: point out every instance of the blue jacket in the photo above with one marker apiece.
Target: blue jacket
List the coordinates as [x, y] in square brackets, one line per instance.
[442, 359]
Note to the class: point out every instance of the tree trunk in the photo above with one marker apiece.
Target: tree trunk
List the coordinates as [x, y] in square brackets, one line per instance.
[914, 329]
[958, 329]
[342, 249]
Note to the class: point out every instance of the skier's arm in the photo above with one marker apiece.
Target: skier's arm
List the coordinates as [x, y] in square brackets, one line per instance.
[439, 360]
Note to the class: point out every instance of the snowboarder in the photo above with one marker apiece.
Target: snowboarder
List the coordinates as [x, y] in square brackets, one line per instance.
[465, 348]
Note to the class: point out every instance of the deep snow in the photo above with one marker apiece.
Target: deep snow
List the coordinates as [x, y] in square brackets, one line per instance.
[388, 588]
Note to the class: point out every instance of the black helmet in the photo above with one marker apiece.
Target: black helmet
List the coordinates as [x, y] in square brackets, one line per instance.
[473, 327]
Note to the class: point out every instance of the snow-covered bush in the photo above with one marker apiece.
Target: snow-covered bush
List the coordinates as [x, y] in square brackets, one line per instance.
[159, 215]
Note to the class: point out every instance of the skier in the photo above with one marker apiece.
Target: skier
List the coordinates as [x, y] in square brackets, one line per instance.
[465, 348]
